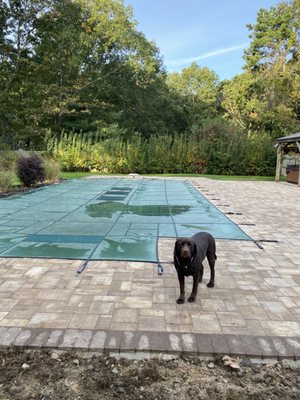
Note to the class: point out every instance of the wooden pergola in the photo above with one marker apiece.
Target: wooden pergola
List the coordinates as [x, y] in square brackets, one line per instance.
[281, 143]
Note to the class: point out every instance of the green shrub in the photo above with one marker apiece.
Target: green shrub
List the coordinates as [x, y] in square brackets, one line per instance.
[30, 170]
[7, 180]
[52, 170]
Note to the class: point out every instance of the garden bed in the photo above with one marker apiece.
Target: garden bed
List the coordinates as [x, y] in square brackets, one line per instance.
[56, 376]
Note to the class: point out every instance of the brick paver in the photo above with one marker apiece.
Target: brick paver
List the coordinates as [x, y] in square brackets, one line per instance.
[254, 308]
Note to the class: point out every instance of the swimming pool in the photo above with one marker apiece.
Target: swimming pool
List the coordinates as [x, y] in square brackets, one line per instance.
[107, 219]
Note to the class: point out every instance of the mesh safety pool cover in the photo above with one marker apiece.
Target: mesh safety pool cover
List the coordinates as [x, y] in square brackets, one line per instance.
[108, 218]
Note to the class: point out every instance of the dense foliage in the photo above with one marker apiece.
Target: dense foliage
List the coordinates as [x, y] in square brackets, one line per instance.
[78, 79]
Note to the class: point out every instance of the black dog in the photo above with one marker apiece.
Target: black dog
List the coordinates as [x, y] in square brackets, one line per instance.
[189, 254]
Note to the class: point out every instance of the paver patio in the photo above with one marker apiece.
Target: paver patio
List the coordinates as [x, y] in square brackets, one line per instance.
[254, 308]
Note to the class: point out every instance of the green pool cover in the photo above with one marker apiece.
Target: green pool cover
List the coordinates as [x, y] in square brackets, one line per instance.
[106, 219]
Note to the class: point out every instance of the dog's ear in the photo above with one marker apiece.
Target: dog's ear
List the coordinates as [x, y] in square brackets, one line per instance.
[177, 246]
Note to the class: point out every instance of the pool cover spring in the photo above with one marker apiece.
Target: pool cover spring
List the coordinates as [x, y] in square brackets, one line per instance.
[107, 219]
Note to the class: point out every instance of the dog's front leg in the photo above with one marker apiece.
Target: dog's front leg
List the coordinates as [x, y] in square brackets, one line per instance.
[193, 295]
[181, 298]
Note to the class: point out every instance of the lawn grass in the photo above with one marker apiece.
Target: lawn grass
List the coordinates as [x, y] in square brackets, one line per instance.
[223, 177]
[75, 175]
[243, 178]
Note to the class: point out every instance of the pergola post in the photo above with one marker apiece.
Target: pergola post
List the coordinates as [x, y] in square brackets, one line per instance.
[298, 144]
[278, 163]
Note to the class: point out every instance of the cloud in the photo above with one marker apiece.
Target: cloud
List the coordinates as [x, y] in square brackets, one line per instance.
[182, 61]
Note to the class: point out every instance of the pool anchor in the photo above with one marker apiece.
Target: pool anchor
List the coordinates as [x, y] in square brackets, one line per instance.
[160, 269]
[82, 267]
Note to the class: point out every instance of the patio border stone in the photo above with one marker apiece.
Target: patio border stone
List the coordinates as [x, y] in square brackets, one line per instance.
[206, 345]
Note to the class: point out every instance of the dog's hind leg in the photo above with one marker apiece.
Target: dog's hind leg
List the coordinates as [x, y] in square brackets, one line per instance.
[201, 273]
[211, 261]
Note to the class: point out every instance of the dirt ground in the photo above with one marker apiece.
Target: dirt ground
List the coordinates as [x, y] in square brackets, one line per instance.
[47, 375]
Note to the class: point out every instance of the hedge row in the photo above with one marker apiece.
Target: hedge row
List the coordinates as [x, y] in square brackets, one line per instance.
[226, 154]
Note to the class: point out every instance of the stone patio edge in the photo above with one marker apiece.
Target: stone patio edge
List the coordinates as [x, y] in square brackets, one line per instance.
[121, 342]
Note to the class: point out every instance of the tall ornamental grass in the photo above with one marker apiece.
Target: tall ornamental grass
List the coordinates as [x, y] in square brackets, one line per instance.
[52, 170]
[214, 150]
[7, 180]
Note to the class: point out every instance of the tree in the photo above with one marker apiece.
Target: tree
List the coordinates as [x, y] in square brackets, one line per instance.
[263, 102]
[97, 65]
[240, 100]
[78, 66]
[17, 42]
[265, 97]
[275, 37]
[198, 90]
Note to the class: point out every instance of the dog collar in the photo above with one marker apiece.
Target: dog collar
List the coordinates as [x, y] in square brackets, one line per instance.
[187, 265]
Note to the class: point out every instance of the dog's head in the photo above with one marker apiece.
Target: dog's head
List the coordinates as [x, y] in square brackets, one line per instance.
[185, 248]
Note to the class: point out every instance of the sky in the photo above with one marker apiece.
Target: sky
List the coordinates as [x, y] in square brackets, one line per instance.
[212, 33]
